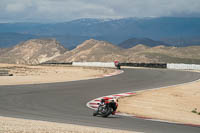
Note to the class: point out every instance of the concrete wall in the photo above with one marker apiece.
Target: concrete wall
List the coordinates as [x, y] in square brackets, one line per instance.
[183, 66]
[112, 65]
[94, 64]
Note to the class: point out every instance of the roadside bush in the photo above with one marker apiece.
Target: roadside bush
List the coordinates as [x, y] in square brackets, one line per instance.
[194, 111]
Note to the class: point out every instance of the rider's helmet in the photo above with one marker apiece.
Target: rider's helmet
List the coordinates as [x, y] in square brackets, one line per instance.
[102, 100]
[116, 63]
[113, 100]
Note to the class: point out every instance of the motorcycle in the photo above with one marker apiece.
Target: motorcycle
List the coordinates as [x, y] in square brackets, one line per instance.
[118, 66]
[106, 109]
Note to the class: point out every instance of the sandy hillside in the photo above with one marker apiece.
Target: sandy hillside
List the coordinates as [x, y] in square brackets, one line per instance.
[23, 74]
[94, 50]
[173, 103]
[38, 51]
[33, 51]
[91, 51]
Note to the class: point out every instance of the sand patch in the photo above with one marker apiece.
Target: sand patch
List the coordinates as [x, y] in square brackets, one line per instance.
[23, 74]
[13, 125]
[172, 103]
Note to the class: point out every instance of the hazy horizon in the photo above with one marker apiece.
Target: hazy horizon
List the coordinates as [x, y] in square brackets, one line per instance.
[106, 19]
[51, 11]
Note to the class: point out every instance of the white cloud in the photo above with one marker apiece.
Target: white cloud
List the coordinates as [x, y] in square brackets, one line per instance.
[63, 10]
[17, 6]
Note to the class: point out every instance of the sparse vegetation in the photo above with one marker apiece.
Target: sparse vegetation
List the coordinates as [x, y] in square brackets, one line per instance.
[194, 111]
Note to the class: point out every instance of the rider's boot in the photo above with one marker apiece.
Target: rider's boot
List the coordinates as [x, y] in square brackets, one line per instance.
[113, 113]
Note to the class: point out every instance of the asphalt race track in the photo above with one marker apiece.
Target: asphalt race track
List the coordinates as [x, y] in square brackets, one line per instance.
[66, 102]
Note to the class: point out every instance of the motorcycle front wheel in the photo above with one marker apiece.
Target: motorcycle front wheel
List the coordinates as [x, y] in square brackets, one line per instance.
[95, 113]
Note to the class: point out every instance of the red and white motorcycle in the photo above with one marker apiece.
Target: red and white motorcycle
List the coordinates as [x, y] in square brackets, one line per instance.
[117, 64]
[106, 107]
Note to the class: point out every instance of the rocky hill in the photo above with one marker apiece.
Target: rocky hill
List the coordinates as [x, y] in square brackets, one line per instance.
[32, 52]
[145, 41]
[4, 50]
[38, 51]
[93, 50]
[138, 48]
[163, 54]
[1, 50]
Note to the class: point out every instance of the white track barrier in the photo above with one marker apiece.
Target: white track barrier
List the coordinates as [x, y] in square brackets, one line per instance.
[183, 66]
[95, 64]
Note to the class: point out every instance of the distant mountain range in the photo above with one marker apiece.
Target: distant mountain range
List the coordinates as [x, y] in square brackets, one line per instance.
[10, 39]
[168, 30]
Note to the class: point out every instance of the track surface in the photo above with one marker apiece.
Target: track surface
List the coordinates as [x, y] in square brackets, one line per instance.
[65, 102]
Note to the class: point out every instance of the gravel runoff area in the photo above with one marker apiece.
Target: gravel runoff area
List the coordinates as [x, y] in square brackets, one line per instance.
[23, 74]
[13, 125]
[176, 104]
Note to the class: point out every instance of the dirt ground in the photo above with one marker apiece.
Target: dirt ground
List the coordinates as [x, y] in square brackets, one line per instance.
[23, 74]
[177, 104]
[13, 125]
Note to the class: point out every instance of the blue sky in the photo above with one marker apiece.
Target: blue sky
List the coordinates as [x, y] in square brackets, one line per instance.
[65, 10]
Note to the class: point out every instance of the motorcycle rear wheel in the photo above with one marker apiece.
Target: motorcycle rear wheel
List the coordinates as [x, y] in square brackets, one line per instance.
[108, 112]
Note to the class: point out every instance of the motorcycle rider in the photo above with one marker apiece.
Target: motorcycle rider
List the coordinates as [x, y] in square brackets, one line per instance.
[112, 102]
[117, 64]
[114, 105]
[102, 102]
